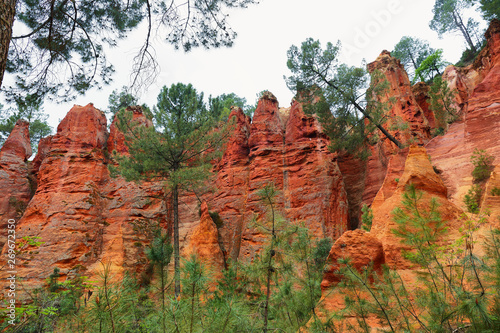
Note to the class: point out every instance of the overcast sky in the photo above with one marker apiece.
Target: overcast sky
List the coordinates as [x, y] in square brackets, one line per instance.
[257, 61]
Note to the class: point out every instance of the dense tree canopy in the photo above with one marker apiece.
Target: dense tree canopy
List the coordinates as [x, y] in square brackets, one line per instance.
[449, 17]
[412, 51]
[431, 66]
[490, 9]
[220, 106]
[58, 49]
[338, 93]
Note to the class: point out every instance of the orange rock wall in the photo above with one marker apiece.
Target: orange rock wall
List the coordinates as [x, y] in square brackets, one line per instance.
[15, 184]
[287, 148]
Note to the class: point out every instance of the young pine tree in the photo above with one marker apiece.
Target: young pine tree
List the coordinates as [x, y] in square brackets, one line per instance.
[177, 150]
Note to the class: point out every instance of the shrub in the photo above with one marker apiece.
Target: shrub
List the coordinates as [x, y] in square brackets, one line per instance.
[482, 165]
[367, 217]
[219, 222]
[495, 191]
[473, 198]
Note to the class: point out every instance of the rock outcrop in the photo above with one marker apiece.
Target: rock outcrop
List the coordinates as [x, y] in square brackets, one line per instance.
[286, 147]
[84, 217]
[407, 122]
[15, 184]
[403, 105]
[204, 242]
[78, 212]
[419, 172]
[480, 128]
[380, 246]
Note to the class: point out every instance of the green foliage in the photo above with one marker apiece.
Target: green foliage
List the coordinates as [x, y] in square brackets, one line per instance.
[321, 252]
[178, 150]
[367, 217]
[160, 253]
[220, 106]
[449, 17]
[410, 219]
[62, 53]
[467, 58]
[120, 100]
[483, 165]
[335, 93]
[219, 222]
[442, 100]
[472, 199]
[46, 306]
[412, 52]
[490, 9]
[495, 191]
[431, 66]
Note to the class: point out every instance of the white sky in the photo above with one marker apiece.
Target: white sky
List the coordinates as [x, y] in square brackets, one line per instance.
[257, 61]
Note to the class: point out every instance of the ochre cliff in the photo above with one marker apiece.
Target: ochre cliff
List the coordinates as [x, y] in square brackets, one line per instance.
[441, 171]
[84, 217]
[407, 122]
[287, 148]
[480, 128]
[15, 184]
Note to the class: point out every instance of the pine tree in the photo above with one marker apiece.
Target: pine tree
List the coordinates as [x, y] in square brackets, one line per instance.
[178, 150]
[336, 94]
[61, 52]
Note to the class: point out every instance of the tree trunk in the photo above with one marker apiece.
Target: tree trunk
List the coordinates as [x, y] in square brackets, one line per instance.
[177, 272]
[7, 13]
[367, 116]
[463, 29]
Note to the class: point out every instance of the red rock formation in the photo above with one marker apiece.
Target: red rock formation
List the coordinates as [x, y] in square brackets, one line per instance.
[419, 172]
[313, 185]
[116, 139]
[404, 108]
[363, 184]
[15, 184]
[79, 213]
[62, 212]
[380, 246]
[232, 183]
[481, 127]
[286, 147]
[421, 92]
[491, 199]
[361, 248]
[204, 241]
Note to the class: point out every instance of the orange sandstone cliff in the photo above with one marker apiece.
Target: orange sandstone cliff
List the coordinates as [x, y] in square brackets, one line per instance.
[84, 217]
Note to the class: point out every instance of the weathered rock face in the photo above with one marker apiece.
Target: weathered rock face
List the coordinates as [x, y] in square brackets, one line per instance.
[361, 248]
[363, 179]
[287, 148]
[204, 241]
[84, 217]
[480, 129]
[421, 92]
[80, 214]
[465, 79]
[380, 246]
[15, 184]
[405, 107]
[61, 212]
[419, 172]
